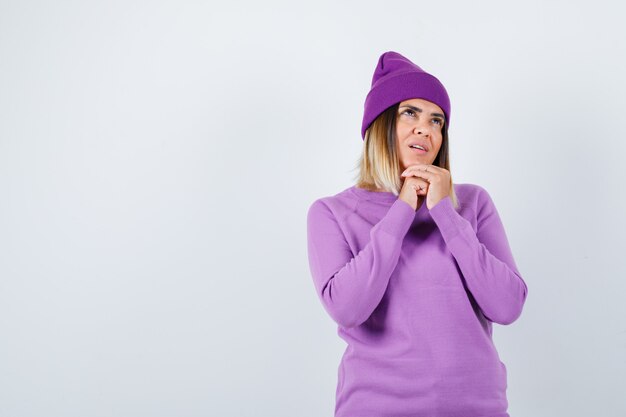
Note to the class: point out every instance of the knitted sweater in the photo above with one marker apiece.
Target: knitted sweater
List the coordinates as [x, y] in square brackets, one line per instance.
[414, 294]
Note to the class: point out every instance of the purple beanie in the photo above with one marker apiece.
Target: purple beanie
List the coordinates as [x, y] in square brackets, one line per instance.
[397, 79]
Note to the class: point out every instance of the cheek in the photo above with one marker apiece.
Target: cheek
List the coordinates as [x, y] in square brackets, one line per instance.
[438, 140]
[403, 129]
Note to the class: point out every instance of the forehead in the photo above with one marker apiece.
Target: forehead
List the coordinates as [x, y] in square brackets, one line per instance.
[422, 104]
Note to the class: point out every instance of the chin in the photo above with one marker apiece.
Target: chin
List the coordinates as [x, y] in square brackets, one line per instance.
[426, 161]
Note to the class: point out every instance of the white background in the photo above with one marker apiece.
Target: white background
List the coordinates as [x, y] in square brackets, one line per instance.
[157, 160]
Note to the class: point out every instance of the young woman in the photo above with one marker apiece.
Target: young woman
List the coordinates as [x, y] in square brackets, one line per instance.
[413, 268]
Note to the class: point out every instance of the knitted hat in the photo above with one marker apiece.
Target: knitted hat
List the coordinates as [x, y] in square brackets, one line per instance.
[397, 79]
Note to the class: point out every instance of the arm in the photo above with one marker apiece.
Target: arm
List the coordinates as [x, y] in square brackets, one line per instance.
[350, 287]
[484, 258]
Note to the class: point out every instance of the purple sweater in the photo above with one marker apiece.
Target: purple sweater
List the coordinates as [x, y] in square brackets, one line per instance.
[414, 294]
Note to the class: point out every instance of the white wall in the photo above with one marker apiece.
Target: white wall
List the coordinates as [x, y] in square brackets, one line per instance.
[157, 160]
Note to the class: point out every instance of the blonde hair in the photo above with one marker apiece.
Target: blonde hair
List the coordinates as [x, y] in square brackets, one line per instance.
[379, 165]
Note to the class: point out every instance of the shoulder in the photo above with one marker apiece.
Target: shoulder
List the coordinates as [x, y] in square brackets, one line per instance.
[469, 190]
[474, 196]
[337, 204]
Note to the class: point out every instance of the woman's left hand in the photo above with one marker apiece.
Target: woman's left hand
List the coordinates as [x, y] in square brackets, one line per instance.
[439, 181]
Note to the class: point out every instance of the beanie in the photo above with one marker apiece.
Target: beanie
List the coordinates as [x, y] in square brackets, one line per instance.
[397, 79]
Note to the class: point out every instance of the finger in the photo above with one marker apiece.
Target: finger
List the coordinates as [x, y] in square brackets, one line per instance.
[429, 176]
[416, 180]
[423, 167]
[417, 184]
[418, 188]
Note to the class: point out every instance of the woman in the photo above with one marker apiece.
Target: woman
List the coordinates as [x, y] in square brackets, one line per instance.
[413, 276]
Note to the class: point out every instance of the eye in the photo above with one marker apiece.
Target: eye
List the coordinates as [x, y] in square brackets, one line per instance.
[439, 121]
[408, 111]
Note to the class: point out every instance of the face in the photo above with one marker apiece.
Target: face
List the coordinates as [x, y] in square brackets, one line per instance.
[418, 122]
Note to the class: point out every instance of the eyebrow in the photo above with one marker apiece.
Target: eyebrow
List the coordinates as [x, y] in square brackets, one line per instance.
[417, 109]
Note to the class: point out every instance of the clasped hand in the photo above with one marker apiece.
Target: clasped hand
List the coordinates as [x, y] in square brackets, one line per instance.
[435, 182]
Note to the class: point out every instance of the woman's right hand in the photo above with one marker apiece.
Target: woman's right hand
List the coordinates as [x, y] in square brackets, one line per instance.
[411, 193]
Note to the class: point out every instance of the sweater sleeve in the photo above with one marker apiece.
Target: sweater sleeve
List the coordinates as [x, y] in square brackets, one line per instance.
[484, 257]
[350, 287]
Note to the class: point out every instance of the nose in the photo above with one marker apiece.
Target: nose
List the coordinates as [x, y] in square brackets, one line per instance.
[421, 130]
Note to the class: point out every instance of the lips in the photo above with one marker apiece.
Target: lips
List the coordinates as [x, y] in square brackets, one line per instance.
[418, 151]
[423, 145]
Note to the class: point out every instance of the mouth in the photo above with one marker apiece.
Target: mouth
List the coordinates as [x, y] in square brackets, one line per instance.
[418, 149]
